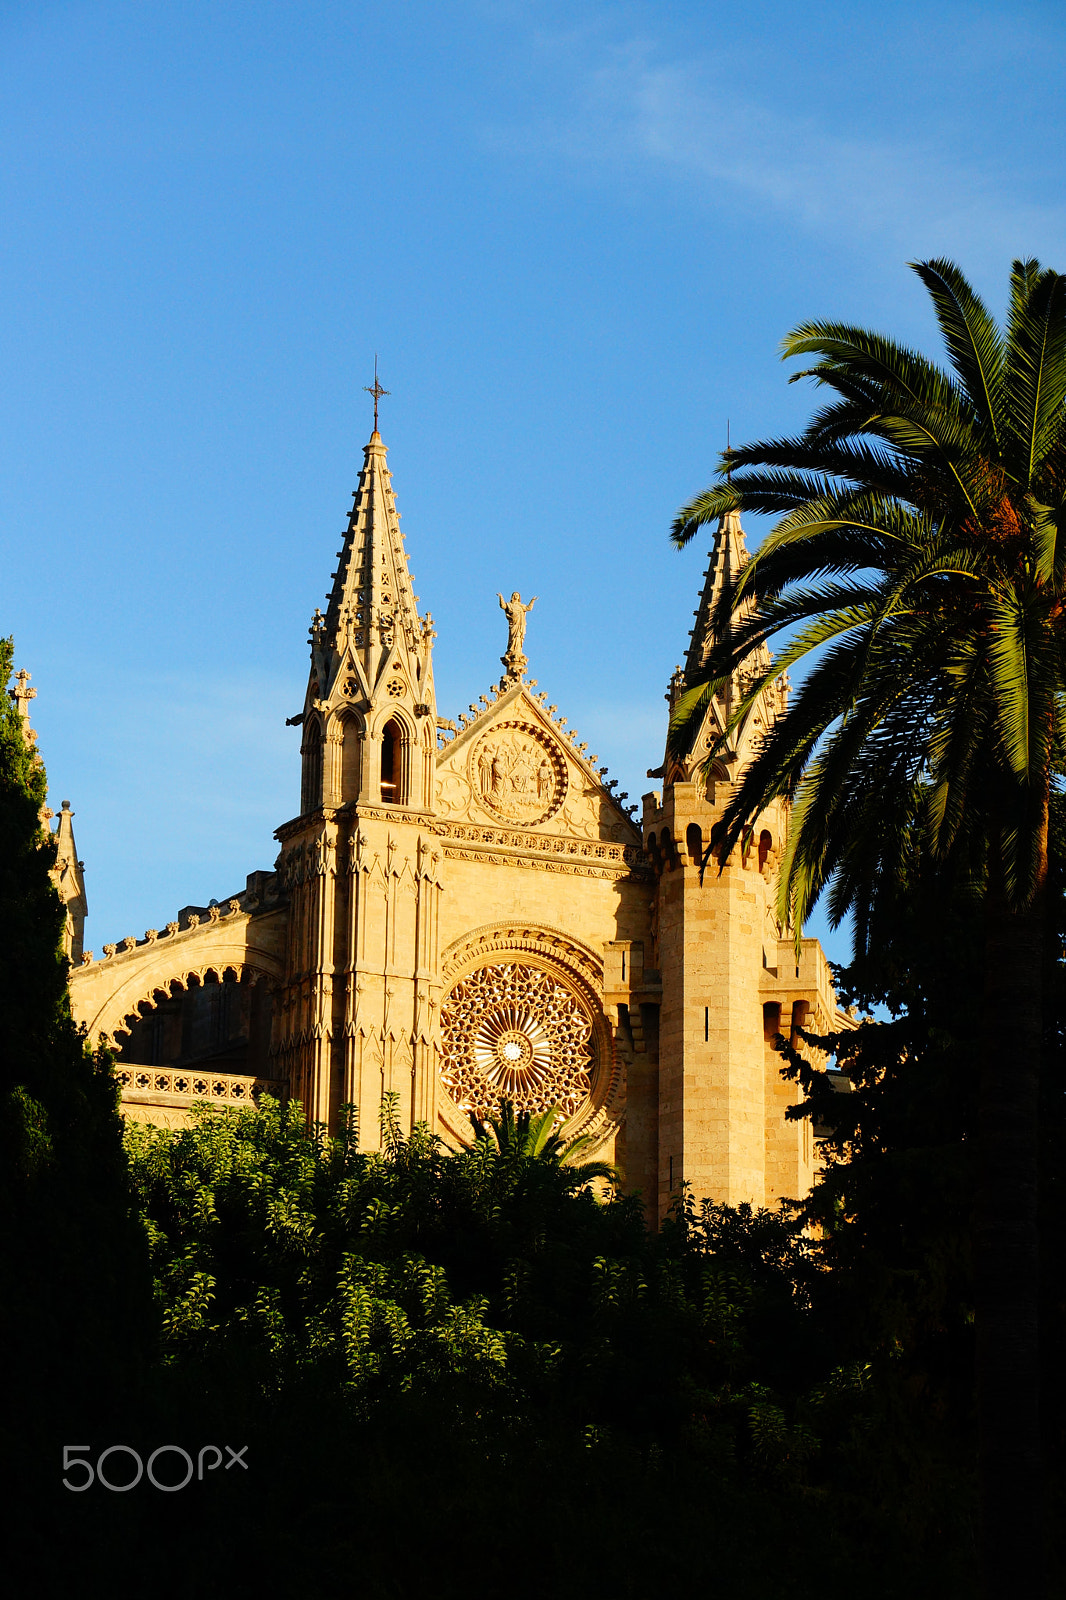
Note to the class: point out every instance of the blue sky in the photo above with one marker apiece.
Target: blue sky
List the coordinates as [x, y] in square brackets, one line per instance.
[575, 234]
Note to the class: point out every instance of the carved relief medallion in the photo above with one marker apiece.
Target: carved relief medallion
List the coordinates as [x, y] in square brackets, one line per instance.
[518, 773]
[513, 1031]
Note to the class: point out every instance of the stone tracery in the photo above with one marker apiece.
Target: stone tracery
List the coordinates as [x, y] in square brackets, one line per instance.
[512, 1031]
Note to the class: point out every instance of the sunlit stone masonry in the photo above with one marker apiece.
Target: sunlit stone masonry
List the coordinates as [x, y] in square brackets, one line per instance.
[465, 910]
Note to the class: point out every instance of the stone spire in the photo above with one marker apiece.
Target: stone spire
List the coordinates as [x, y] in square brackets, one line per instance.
[372, 619]
[371, 677]
[728, 558]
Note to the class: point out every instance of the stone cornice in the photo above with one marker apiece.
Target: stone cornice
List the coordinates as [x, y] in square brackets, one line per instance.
[313, 820]
[598, 858]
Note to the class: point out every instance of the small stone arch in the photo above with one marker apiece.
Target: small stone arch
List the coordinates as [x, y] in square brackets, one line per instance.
[346, 740]
[311, 752]
[393, 711]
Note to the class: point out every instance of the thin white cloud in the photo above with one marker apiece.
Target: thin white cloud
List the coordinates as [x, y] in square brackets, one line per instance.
[631, 112]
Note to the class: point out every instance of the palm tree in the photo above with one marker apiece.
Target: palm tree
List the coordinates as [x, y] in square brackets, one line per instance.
[921, 554]
[536, 1137]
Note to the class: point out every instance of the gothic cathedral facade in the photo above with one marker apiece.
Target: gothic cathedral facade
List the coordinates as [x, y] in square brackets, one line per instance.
[463, 912]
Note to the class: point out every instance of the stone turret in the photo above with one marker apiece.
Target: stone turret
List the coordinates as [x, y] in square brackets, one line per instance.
[721, 1099]
[68, 873]
[728, 559]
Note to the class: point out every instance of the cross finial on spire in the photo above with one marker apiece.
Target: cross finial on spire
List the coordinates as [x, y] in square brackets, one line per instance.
[377, 391]
[22, 694]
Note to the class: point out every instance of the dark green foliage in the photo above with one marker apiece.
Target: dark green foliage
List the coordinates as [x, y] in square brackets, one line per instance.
[74, 1307]
[892, 1210]
[893, 1206]
[919, 563]
[469, 1334]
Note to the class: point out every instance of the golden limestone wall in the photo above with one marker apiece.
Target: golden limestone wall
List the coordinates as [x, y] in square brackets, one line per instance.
[722, 1100]
[546, 898]
[797, 992]
[355, 1017]
[570, 918]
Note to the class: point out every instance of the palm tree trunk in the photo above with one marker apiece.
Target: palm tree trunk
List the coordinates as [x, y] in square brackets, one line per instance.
[1006, 1266]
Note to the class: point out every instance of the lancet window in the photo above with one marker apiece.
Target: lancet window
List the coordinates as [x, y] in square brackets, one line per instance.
[395, 754]
[351, 761]
[311, 796]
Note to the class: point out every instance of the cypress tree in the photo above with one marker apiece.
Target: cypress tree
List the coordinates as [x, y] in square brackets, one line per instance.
[74, 1286]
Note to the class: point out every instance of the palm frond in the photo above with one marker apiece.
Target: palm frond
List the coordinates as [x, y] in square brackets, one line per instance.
[857, 353]
[917, 561]
[973, 341]
[707, 507]
[1036, 371]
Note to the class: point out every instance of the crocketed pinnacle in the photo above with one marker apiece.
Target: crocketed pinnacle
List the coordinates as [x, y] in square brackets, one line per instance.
[728, 559]
[372, 615]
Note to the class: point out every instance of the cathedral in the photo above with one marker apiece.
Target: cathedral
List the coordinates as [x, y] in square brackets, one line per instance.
[463, 912]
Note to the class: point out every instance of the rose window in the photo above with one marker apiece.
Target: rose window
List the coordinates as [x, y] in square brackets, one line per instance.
[515, 1032]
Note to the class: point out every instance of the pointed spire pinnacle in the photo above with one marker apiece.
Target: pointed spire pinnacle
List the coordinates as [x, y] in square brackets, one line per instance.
[377, 391]
[728, 559]
[68, 875]
[371, 630]
[22, 694]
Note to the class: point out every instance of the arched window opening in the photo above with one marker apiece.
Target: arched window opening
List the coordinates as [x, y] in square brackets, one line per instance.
[800, 1009]
[393, 760]
[311, 797]
[694, 841]
[766, 844]
[351, 762]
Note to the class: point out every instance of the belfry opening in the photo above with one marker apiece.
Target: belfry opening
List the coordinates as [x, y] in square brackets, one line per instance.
[392, 763]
